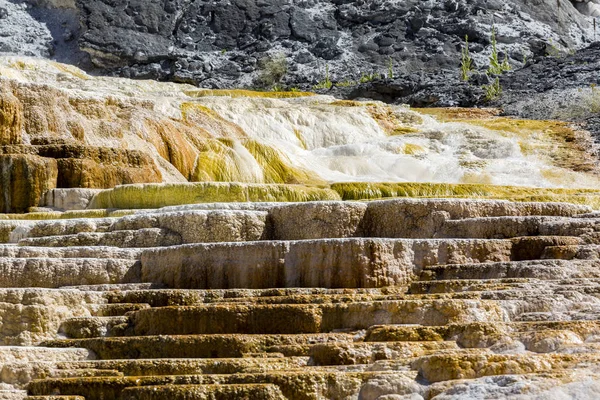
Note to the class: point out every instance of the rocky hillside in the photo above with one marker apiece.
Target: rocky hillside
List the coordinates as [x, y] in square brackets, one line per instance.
[245, 43]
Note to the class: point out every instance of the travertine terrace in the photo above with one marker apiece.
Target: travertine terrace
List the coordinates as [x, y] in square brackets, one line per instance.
[62, 128]
[393, 299]
[162, 241]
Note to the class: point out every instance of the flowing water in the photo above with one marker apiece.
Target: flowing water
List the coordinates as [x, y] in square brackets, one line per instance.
[342, 143]
[273, 137]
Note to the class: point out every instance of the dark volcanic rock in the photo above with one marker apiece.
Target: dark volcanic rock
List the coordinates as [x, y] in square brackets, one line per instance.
[223, 43]
[559, 87]
[564, 85]
[442, 89]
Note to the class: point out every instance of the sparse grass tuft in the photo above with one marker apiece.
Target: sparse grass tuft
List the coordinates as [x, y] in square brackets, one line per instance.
[326, 83]
[368, 77]
[466, 65]
[346, 83]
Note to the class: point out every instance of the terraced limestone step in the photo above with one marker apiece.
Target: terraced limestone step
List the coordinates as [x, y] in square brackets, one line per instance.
[301, 301]
[350, 263]
[294, 318]
[403, 218]
[150, 237]
[206, 392]
[539, 269]
[190, 366]
[19, 365]
[57, 272]
[57, 397]
[13, 394]
[197, 346]
[12, 251]
[295, 385]
[10, 354]
[442, 367]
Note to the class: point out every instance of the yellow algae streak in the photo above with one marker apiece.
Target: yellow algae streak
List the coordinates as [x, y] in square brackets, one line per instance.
[370, 190]
[394, 120]
[227, 160]
[97, 213]
[413, 149]
[208, 122]
[455, 113]
[161, 195]
[71, 70]
[277, 167]
[348, 103]
[245, 93]
[216, 162]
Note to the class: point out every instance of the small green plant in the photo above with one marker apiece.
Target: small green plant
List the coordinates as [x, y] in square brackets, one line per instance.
[493, 90]
[496, 67]
[223, 51]
[325, 84]
[272, 71]
[466, 64]
[390, 68]
[368, 77]
[552, 50]
[346, 83]
[505, 66]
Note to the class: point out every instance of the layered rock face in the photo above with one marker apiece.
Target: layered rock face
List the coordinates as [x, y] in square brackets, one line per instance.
[424, 299]
[45, 143]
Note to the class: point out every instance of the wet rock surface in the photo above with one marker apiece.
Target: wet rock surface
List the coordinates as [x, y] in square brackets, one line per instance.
[397, 52]
[62, 128]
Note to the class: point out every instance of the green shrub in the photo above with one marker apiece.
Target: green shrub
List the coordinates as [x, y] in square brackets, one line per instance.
[272, 70]
[493, 90]
[368, 77]
[466, 65]
[496, 67]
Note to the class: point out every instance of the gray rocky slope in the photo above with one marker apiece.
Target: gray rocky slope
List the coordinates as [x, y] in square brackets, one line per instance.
[237, 42]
